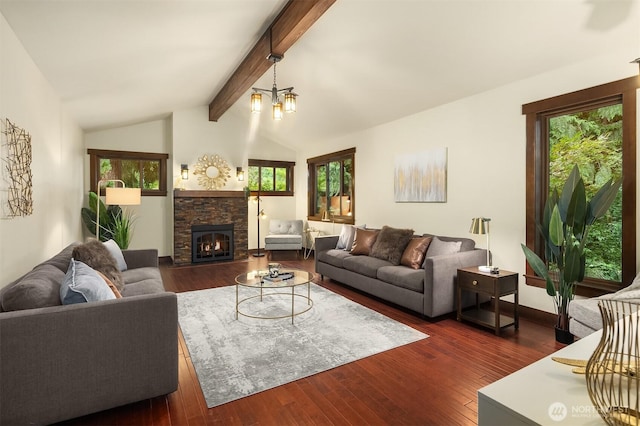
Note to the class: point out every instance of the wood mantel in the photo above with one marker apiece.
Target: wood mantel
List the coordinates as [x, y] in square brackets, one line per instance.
[182, 193]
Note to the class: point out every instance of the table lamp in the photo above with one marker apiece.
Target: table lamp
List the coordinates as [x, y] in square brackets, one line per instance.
[480, 226]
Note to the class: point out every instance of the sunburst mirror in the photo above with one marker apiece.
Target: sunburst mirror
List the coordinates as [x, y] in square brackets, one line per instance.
[212, 171]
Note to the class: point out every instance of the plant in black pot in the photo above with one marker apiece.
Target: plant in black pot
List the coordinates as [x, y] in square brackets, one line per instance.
[565, 227]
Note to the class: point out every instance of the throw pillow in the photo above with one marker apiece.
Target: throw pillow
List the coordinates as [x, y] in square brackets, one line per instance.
[413, 255]
[439, 247]
[391, 243]
[116, 252]
[111, 285]
[83, 284]
[346, 233]
[363, 241]
[95, 255]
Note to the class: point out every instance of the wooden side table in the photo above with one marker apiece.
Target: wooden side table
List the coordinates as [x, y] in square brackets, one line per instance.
[494, 285]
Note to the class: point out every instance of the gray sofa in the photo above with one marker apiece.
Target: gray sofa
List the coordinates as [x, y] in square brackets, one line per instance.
[429, 291]
[66, 361]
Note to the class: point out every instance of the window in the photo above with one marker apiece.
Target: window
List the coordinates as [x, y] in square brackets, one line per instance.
[596, 129]
[143, 170]
[272, 177]
[331, 186]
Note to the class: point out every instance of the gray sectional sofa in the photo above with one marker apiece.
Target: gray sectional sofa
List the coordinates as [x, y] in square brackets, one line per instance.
[65, 361]
[429, 290]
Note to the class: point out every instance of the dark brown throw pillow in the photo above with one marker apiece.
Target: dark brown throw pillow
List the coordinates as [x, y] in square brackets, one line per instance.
[363, 241]
[413, 255]
[95, 255]
[391, 243]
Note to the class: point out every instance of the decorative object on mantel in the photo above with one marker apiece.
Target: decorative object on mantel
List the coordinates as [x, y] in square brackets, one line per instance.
[612, 372]
[421, 177]
[16, 185]
[565, 229]
[212, 171]
[277, 105]
[480, 226]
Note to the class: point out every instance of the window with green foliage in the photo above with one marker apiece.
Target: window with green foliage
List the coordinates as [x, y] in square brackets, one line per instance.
[331, 187]
[271, 177]
[594, 129]
[592, 139]
[143, 170]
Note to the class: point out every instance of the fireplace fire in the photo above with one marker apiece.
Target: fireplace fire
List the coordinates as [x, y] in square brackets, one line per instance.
[211, 243]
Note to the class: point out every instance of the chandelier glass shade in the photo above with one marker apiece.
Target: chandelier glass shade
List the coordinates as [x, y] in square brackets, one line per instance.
[278, 106]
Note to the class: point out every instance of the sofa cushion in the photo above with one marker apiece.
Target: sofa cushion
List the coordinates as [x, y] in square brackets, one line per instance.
[438, 247]
[402, 276]
[116, 252]
[279, 226]
[363, 241]
[132, 276]
[39, 288]
[95, 255]
[283, 239]
[333, 257]
[139, 288]
[413, 255]
[83, 284]
[586, 312]
[365, 265]
[390, 244]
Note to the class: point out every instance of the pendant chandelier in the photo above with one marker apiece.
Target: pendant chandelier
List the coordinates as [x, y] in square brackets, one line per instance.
[279, 106]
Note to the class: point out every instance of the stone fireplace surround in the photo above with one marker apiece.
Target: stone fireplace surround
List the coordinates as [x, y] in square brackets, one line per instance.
[208, 208]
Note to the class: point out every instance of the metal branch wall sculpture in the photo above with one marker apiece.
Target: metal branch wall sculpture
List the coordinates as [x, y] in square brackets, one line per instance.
[17, 196]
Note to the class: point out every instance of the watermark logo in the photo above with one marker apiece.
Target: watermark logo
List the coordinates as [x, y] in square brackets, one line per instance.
[557, 411]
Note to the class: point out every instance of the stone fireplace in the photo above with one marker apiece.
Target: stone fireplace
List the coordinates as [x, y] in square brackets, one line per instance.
[206, 211]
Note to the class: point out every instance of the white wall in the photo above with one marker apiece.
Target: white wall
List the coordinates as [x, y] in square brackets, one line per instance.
[28, 100]
[153, 215]
[485, 138]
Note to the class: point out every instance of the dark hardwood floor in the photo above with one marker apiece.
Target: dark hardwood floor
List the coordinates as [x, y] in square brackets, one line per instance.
[430, 382]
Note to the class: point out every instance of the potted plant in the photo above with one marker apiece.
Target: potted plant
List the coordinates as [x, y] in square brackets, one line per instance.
[115, 223]
[565, 229]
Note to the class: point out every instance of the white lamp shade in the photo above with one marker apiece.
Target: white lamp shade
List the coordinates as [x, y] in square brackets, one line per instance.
[123, 196]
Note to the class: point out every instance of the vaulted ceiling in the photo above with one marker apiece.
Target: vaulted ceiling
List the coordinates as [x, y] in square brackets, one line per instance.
[363, 63]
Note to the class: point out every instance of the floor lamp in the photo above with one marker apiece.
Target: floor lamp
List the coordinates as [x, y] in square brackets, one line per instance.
[261, 215]
[117, 195]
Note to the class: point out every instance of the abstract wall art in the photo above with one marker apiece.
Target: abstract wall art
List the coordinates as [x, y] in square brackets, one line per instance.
[16, 187]
[421, 177]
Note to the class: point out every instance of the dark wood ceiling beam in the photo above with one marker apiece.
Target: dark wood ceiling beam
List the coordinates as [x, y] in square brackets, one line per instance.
[293, 21]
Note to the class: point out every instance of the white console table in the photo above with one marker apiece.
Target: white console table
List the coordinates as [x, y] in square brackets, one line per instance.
[543, 393]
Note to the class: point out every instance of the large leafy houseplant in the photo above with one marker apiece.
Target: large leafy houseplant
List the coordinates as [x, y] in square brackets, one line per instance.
[115, 223]
[565, 227]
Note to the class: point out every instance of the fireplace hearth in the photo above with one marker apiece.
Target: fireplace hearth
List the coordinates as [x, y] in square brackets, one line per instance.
[211, 243]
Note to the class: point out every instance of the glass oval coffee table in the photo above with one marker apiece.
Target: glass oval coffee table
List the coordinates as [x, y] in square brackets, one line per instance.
[288, 279]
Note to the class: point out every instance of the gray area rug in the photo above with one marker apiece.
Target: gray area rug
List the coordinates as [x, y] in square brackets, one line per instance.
[236, 358]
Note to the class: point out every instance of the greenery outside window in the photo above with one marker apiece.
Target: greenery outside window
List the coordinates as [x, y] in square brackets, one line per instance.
[596, 129]
[272, 177]
[331, 187]
[144, 170]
